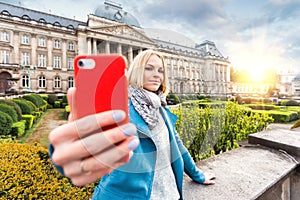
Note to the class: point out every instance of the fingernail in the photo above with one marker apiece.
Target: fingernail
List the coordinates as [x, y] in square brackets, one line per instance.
[129, 130]
[118, 115]
[133, 144]
[130, 154]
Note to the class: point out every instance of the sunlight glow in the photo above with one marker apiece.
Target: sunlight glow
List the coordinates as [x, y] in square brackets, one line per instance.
[256, 55]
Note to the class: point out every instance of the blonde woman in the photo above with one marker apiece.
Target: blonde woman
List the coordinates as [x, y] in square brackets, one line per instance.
[159, 159]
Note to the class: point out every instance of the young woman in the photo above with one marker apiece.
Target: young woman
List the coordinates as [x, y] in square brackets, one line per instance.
[159, 159]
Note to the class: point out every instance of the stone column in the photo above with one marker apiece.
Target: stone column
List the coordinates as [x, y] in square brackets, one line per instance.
[107, 47]
[130, 55]
[89, 45]
[49, 55]
[33, 50]
[64, 59]
[172, 69]
[119, 49]
[95, 46]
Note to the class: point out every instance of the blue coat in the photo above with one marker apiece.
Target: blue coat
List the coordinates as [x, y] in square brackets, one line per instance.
[134, 179]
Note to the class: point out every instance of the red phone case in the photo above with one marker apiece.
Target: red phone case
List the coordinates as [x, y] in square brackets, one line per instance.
[103, 87]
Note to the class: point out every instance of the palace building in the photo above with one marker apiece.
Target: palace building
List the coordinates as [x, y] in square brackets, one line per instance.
[37, 50]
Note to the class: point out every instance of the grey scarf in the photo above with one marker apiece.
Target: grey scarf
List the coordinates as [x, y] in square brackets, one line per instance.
[146, 104]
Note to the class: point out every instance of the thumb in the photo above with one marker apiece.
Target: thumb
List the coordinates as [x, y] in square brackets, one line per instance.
[72, 103]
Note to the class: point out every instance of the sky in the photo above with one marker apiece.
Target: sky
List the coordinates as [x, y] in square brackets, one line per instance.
[253, 34]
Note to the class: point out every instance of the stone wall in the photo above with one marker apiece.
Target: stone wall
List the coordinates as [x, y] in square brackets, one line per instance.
[267, 168]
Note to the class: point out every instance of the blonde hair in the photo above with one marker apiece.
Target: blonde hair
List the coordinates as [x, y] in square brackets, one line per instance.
[137, 67]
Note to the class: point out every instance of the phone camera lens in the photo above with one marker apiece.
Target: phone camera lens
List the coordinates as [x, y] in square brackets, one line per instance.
[80, 63]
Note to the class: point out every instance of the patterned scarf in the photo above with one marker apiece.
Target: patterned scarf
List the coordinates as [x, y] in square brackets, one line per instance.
[146, 104]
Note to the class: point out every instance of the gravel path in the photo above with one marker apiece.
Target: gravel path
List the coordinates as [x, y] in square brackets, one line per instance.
[51, 120]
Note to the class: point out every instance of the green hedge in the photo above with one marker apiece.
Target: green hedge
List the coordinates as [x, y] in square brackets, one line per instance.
[52, 98]
[18, 128]
[29, 120]
[261, 106]
[57, 104]
[289, 103]
[27, 173]
[10, 111]
[26, 107]
[283, 114]
[5, 123]
[14, 105]
[209, 131]
[36, 99]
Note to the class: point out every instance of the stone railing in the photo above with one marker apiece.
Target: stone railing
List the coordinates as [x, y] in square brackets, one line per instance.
[267, 168]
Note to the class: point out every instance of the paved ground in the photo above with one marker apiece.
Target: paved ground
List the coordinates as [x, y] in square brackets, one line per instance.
[284, 126]
[51, 120]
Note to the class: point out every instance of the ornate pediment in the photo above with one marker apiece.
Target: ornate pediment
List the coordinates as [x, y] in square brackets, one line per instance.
[123, 31]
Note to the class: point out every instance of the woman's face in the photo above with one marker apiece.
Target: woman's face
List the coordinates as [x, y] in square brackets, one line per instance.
[153, 74]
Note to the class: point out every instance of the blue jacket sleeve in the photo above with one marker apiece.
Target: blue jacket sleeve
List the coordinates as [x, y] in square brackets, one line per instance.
[190, 167]
[59, 169]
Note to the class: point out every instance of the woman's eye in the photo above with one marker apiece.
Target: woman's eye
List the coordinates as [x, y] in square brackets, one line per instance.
[148, 68]
[161, 71]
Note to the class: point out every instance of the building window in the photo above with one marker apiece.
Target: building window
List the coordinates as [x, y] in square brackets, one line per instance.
[57, 62]
[25, 39]
[41, 60]
[25, 81]
[71, 46]
[70, 82]
[56, 44]
[42, 82]
[4, 57]
[70, 63]
[42, 42]
[4, 36]
[25, 58]
[57, 82]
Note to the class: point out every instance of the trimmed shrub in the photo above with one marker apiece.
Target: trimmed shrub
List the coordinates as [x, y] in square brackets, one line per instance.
[26, 108]
[32, 105]
[172, 99]
[44, 106]
[209, 131]
[261, 107]
[15, 106]
[27, 173]
[66, 112]
[10, 111]
[35, 98]
[29, 120]
[51, 99]
[5, 123]
[292, 103]
[57, 104]
[37, 114]
[18, 128]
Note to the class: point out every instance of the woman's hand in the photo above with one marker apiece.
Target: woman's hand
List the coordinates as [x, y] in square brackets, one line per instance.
[209, 179]
[84, 151]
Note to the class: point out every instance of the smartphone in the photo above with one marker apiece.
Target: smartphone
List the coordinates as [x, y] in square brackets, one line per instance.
[101, 84]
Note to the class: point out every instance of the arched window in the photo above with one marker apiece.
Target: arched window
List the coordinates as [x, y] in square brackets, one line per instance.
[57, 82]
[25, 81]
[26, 17]
[5, 12]
[70, 27]
[42, 82]
[43, 21]
[70, 82]
[56, 24]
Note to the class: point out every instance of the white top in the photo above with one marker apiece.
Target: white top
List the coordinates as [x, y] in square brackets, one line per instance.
[164, 183]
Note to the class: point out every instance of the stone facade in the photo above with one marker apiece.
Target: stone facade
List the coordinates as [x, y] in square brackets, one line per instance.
[37, 51]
